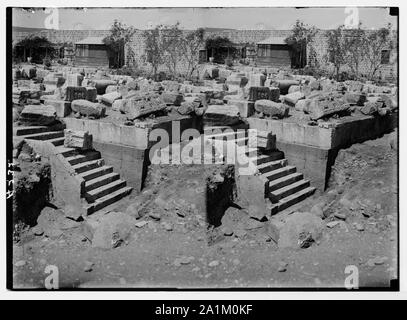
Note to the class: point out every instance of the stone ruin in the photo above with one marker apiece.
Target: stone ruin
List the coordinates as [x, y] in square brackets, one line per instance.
[220, 97]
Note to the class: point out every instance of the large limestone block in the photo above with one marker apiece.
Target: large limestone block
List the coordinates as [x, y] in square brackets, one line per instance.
[62, 107]
[88, 108]
[117, 104]
[294, 88]
[284, 85]
[91, 94]
[172, 97]
[171, 85]
[102, 84]
[110, 97]
[355, 98]
[75, 93]
[250, 193]
[274, 94]
[188, 107]
[74, 79]
[271, 108]
[302, 104]
[236, 80]
[111, 88]
[389, 101]
[257, 80]
[323, 108]
[259, 93]
[225, 115]
[246, 108]
[38, 115]
[292, 98]
[370, 108]
[140, 106]
[327, 85]
[262, 139]
[78, 139]
[123, 90]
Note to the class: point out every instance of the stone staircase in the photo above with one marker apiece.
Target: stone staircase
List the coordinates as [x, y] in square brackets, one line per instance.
[284, 186]
[103, 187]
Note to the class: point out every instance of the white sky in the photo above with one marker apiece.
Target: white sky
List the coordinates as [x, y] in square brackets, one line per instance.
[191, 18]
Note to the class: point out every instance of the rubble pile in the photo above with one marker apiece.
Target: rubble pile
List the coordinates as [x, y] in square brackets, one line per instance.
[217, 93]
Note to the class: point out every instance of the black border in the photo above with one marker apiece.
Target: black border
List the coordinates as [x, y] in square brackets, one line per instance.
[394, 284]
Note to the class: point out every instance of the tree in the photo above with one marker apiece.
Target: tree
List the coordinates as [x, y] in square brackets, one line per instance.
[377, 41]
[155, 47]
[356, 46]
[336, 48]
[217, 47]
[120, 35]
[302, 34]
[36, 47]
[190, 46]
[172, 40]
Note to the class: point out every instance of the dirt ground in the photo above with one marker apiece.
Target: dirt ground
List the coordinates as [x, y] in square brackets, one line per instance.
[171, 246]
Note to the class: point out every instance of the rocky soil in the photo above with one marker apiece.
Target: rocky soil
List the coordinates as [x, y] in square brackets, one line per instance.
[161, 238]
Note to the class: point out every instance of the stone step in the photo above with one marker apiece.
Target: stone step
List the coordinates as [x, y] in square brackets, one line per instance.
[104, 190]
[227, 135]
[241, 126]
[44, 135]
[262, 158]
[57, 141]
[275, 174]
[271, 165]
[66, 152]
[25, 130]
[210, 129]
[250, 152]
[79, 158]
[88, 165]
[108, 199]
[291, 200]
[239, 141]
[285, 181]
[101, 181]
[288, 190]
[97, 172]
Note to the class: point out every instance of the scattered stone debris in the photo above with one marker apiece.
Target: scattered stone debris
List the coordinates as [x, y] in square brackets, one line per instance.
[340, 215]
[213, 263]
[113, 230]
[167, 226]
[20, 263]
[332, 224]
[376, 261]
[140, 224]
[282, 266]
[183, 261]
[218, 96]
[359, 226]
[88, 266]
[300, 230]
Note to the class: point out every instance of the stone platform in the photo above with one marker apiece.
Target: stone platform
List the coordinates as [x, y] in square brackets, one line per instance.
[126, 148]
[313, 149]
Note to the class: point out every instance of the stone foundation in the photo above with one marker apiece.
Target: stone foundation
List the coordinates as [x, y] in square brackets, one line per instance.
[131, 163]
[313, 149]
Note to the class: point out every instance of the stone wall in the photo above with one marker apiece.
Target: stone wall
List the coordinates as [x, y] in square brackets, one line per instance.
[61, 36]
[135, 50]
[320, 45]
